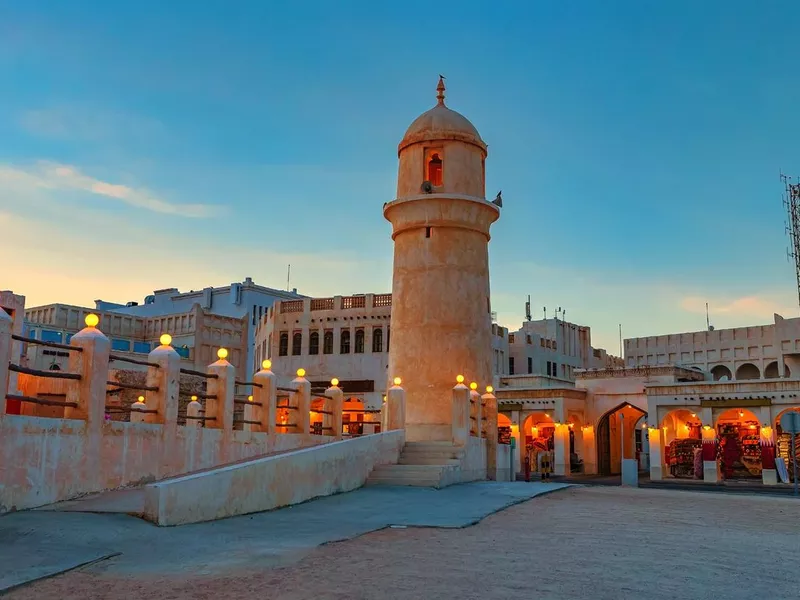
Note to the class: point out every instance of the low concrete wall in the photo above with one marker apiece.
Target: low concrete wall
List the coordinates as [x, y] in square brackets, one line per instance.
[503, 471]
[49, 460]
[272, 482]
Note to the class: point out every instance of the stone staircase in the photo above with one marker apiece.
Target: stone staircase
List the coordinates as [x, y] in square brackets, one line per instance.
[422, 464]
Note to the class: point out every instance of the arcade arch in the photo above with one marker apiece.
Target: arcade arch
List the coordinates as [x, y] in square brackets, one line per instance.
[613, 427]
[748, 371]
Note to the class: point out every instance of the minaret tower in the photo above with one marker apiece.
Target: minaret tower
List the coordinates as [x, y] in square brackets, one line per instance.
[441, 314]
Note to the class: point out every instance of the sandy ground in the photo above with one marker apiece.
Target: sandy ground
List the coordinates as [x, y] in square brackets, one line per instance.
[593, 542]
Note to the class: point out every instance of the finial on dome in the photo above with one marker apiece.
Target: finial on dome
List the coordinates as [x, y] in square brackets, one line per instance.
[440, 90]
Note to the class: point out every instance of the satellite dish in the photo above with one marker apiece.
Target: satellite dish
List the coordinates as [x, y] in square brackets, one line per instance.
[427, 187]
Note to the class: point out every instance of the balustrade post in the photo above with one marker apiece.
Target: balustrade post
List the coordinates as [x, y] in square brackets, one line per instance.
[460, 431]
[91, 363]
[221, 390]
[266, 395]
[475, 409]
[136, 407]
[395, 407]
[301, 398]
[166, 377]
[489, 402]
[333, 403]
[5, 357]
[193, 410]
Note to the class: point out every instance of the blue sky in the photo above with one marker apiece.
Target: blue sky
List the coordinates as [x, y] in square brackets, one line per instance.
[637, 144]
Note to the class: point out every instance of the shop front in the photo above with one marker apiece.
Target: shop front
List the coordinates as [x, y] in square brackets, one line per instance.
[722, 431]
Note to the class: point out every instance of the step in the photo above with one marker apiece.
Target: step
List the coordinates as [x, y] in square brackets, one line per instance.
[410, 470]
[413, 459]
[434, 451]
[430, 483]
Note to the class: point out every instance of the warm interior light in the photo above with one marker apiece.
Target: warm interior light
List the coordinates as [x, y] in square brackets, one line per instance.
[644, 425]
[91, 320]
[222, 353]
[473, 386]
[489, 389]
[301, 372]
[141, 399]
[694, 415]
[384, 398]
[334, 382]
[194, 398]
[266, 364]
[686, 426]
[249, 398]
[460, 378]
[165, 339]
[397, 381]
[547, 415]
[706, 427]
[570, 425]
[741, 413]
[752, 426]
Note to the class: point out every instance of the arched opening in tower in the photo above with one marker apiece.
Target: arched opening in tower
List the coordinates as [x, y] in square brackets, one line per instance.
[435, 170]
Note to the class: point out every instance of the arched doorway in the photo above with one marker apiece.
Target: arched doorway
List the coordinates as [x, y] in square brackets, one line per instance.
[748, 371]
[738, 432]
[721, 373]
[783, 445]
[317, 405]
[536, 437]
[614, 426]
[771, 371]
[683, 441]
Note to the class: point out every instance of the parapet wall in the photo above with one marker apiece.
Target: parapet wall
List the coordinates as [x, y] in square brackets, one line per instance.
[49, 460]
[271, 482]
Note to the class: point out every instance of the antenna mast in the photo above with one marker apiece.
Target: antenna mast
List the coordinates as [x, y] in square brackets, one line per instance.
[288, 274]
[791, 200]
[708, 323]
[528, 308]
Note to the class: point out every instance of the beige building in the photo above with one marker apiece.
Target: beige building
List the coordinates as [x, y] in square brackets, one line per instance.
[740, 353]
[196, 335]
[555, 348]
[346, 337]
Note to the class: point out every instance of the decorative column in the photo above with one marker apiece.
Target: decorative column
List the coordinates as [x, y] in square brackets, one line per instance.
[5, 358]
[92, 364]
[769, 475]
[137, 410]
[561, 460]
[656, 454]
[589, 450]
[460, 428]
[395, 406]
[710, 465]
[193, 410]
[333, 404]
[265, 397]
[302, 400]
[166, 377]
[221, 389]
[89, 394]
[475, 409]
[489, 405]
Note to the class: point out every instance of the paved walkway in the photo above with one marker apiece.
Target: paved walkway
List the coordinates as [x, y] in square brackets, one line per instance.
[35, 544]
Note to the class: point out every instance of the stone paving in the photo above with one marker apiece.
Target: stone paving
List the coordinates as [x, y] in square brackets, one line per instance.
[34, 544]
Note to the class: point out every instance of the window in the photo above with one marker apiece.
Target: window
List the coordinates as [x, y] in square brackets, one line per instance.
[541, 342]
[359, 349]
[510, 365]
[511, 338]
[344, 344]
[32, 334]
[69, 337]
[528, 339]
[283, 344]
[183, 351]
[435, 170]
[141, 347]
[427, 232]
[50, 336]
[297, 344]
[548, 368]
[120, 345]
[313, 343]
[530, 365]
[377, 340]
[388, 336]
[327, 343]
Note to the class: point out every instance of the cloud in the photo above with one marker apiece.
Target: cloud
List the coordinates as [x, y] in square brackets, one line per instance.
[759, 307]
[46, 176]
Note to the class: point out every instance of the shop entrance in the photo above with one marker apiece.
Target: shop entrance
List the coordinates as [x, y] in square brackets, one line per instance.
[617, 424]
[537, 438]
[739, 450]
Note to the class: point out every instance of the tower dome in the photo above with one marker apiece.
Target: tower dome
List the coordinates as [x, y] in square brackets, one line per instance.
[441, 123]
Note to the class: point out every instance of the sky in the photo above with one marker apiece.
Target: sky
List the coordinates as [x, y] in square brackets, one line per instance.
[183, 144]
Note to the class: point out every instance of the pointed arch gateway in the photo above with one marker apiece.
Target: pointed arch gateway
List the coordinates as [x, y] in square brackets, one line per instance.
[609, 438]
